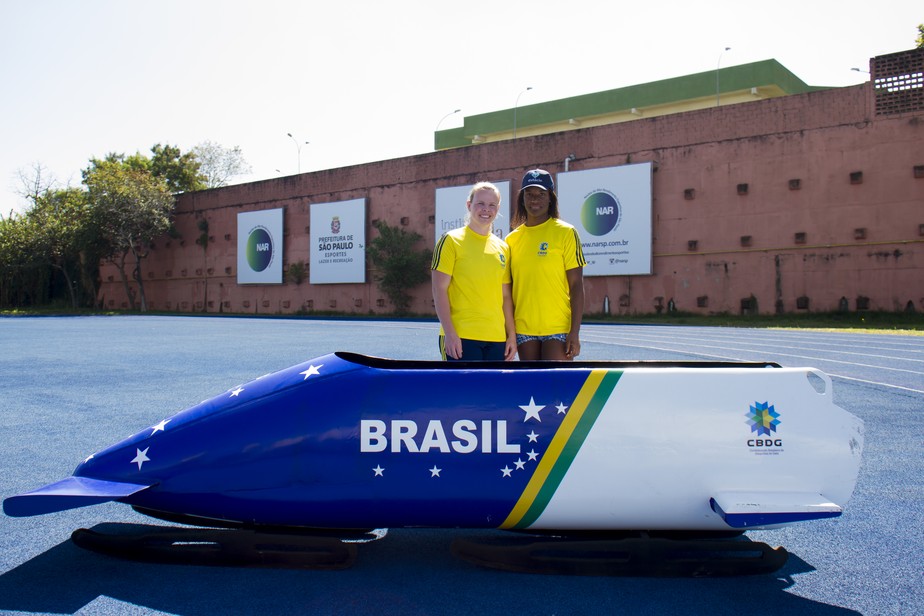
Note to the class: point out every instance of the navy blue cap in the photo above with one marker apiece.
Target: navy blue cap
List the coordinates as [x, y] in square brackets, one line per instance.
[540, 178]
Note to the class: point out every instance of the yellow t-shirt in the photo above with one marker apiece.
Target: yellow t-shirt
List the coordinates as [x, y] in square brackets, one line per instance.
[478, 267]
[539, 257]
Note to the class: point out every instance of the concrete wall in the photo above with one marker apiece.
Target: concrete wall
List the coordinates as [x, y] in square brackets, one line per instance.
[832, 211]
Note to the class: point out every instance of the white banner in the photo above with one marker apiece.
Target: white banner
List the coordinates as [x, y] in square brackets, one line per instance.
[450, 209]
[259, 247]
[611, 208]
[338, 242]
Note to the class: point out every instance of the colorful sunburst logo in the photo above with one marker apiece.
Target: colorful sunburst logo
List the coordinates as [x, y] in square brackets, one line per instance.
[763, 418]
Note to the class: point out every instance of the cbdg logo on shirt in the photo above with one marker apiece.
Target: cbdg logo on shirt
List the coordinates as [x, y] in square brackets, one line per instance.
[601, 212]
[543, 249]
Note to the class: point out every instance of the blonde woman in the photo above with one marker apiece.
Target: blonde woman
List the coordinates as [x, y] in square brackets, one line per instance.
[471, 285]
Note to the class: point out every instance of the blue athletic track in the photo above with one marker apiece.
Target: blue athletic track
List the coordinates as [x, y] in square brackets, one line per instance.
[70, 386]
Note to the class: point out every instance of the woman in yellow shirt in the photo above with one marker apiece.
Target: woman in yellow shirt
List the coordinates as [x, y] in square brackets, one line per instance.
[471, 285]
[547, 270]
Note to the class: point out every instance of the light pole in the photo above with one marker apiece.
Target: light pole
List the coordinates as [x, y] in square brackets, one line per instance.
[717, 76]
[444, 117]
[517, 104]
[298, 146]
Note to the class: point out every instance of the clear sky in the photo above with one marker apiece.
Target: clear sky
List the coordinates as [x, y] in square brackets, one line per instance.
[368, 80]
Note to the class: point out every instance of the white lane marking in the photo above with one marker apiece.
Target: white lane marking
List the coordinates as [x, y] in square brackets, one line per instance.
[850, 378]
[756, 351]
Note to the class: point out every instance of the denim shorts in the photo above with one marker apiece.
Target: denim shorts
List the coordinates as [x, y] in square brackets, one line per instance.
[521, 338]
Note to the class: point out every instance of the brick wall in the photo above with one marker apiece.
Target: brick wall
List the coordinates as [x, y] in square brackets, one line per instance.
[832, 212]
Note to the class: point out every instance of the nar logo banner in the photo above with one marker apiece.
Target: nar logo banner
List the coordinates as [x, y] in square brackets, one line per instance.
[611, 208]
[259, 247]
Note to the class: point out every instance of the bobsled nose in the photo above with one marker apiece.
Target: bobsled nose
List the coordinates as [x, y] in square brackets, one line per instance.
[68, 493]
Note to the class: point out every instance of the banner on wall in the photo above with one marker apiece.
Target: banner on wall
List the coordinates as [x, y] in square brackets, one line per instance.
[450, 209]
[611, 209]
[259, 247]
[338, 242]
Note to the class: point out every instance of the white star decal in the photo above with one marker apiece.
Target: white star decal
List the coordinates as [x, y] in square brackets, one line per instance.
[159, 427]
[435, 472]
[532, 455]
[378, 470]
[236, 392]
[506, 471]
[561, 408]
[311, 370]
[532, 410]
[519, 464]
[532, 436]
[141, 457]
[88, 458]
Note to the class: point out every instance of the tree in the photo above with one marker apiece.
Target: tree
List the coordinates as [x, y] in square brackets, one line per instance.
[920, 40]
[218, 164]
[23, 280]
[35, 182]
[60, 218]
[49, 252]
[400, 266]
[130, 208]
[179, 171]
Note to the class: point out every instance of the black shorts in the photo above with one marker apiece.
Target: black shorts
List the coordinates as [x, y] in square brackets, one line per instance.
[476, 350]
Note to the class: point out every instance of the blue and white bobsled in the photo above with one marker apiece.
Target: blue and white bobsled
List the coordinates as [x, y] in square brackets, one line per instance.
[349, 441]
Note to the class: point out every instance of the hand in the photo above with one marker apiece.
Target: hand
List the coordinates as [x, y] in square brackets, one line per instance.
[572, 346]
[510, 349]
[453, 345]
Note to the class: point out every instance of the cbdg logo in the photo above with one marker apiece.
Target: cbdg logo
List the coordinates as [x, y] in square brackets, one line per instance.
[763, 420]
[259, 249]
[601, 212]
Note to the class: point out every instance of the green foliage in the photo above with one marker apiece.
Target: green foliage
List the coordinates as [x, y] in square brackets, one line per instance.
[203, 239]
[49, 253]
[919, 43]
[179, 171]
[22, 280]
[65, 236]
[130, 208]
[297, 272]
[399, 266]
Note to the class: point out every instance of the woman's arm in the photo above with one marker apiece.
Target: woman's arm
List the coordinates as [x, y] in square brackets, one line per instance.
[451, 341]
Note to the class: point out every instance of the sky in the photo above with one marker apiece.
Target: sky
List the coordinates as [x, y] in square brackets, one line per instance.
[369, 80]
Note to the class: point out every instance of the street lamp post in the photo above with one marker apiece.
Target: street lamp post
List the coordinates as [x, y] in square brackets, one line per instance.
[435, 146]
[717, 76]
[298, 146]
[444, 117]
[517, 104]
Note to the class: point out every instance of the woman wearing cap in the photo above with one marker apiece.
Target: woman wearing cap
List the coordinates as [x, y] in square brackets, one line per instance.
[471, 284]
[547, 269]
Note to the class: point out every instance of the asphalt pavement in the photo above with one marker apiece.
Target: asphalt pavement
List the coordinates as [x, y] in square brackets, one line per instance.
[70, 386]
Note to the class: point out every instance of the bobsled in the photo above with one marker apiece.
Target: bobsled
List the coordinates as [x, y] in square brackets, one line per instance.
[347, 441]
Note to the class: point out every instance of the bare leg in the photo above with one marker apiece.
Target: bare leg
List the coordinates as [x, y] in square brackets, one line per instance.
[530, 350]
[554, 349]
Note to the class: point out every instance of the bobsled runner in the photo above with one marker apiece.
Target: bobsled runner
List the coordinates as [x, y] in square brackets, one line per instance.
[348, 441]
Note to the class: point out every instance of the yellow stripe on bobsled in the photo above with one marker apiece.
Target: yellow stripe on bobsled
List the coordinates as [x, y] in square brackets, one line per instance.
[564, 446]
